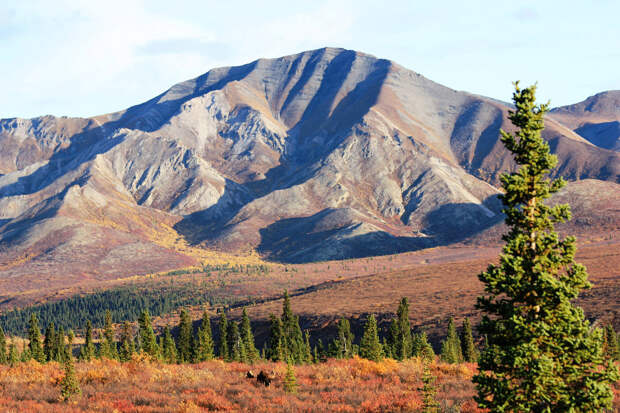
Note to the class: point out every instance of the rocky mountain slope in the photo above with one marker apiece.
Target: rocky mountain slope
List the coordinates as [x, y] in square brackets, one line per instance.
[321, 155]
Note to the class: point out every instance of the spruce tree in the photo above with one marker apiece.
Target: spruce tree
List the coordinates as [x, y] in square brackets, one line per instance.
[247, 337]
[468, 348]
[185, 339]
[292, 337]
[203, 349]
[13, 357]
[429, 390]
[370, 347]
[87, 352]
[168, 347]
[542, 355]
[307, 350]
[148, 341]
[342, 347]
[35, 348]
[611, 343]
[290, 381]
[108, 345]
[236, 349]
[422, 348]
[451, 346]
[275, 351]
[69, 348]
[126, 343]
[60, 351]
[69, 385]
[404, 343]
[49, 342]
[223, 329]
[4, 356]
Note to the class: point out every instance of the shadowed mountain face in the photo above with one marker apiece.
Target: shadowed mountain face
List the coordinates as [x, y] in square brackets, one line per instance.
[325, 154]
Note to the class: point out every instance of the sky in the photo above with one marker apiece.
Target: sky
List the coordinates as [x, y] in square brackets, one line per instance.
[85, 58]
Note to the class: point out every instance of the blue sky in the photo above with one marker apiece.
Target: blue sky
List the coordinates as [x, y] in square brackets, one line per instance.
[83, 58]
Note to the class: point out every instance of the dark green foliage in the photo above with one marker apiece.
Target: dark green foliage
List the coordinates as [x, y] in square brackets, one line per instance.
[236, 349]
[422, 348]
[247, 337]
[4, 355]
[203, 348]
[451, 346]
[126, 349]
[399, 344]
[223, 329]
[342, 346]
[610, 340]
[542, 355]
[185, 339]
[468, 348]
[35, 348]
[69, 347]
[168, 347]
[429, 391]
[370, 347]
[49, 342]
[87, 352]
[13, 357]
[60, 348]
[108, 345]
[69, 385]
[148, 341]
[290, 381]
[307, 350]
[292, 338]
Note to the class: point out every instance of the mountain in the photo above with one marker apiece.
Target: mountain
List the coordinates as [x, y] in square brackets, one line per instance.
[324, 154]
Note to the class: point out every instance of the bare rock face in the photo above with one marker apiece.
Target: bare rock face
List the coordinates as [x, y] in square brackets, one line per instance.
[325, 154]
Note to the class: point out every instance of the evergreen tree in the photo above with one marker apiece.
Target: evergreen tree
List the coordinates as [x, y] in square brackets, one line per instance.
[429, 390]
[343, 343]
[4, 356]
[13, 357]
[69, 385]
[247, 338]
[108, 345]
[290, 381]
[60, 351]
[468, 348]
[307, 350]
[320, 349]
[236, 349]
[168, 347]
[35, 349]
[203, 350]
[292, 337]
[87, 352]
[422, 348]
[223, 328]
[148, 341]
[451, 346]
[611, 347]
[69, 348]
[370, 347]
[126, 339]
[404, 344]
[542, 355]
[275, 351]
[185, 339]
[392, 339]
[49, 342]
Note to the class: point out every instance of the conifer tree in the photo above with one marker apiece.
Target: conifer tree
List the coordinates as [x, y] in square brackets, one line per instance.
[542, 355]
[292, 338]
[468, 348]
[611, 348]
[69, 348]
[247, 337]
[60, 351]
[87, 352]
[275, 351]
[148, 341]
[108, 345]
[49, 342]
[307, 350]
[185, 339]
[391, 340]
[320, 350]
[223, 329]
[69, 385]
[203, 349]
[404, 343]
[451, 346]
[290, 381]
[13, 357]
[422, 348]
[4, 356]
[370, 347]
[35, 349]
[236, 349]
[126, 342]
[168, 347]
[429, 391]
[343, 343]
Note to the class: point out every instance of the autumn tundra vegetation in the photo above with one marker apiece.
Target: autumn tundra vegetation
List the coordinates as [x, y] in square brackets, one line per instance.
[535, 351]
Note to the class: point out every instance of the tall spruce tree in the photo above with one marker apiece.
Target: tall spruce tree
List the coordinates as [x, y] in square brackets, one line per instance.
[468, 348]
[542, 355]
[126, 349]
[35, 348]
[148, 341]
[60, 348]
[185, 339]
[13, 357]
[108, 345]
[611, 348]
[49, 342]
[247, 337]
[236, 349]
[292, 337]
[275, 351]
[451, 346]
[370, 347]
[404, 343]
[168, 347]
[223, 330]
[87, 352]
[342, 347]
[422, 348]
[203, 349]
[4, 356]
